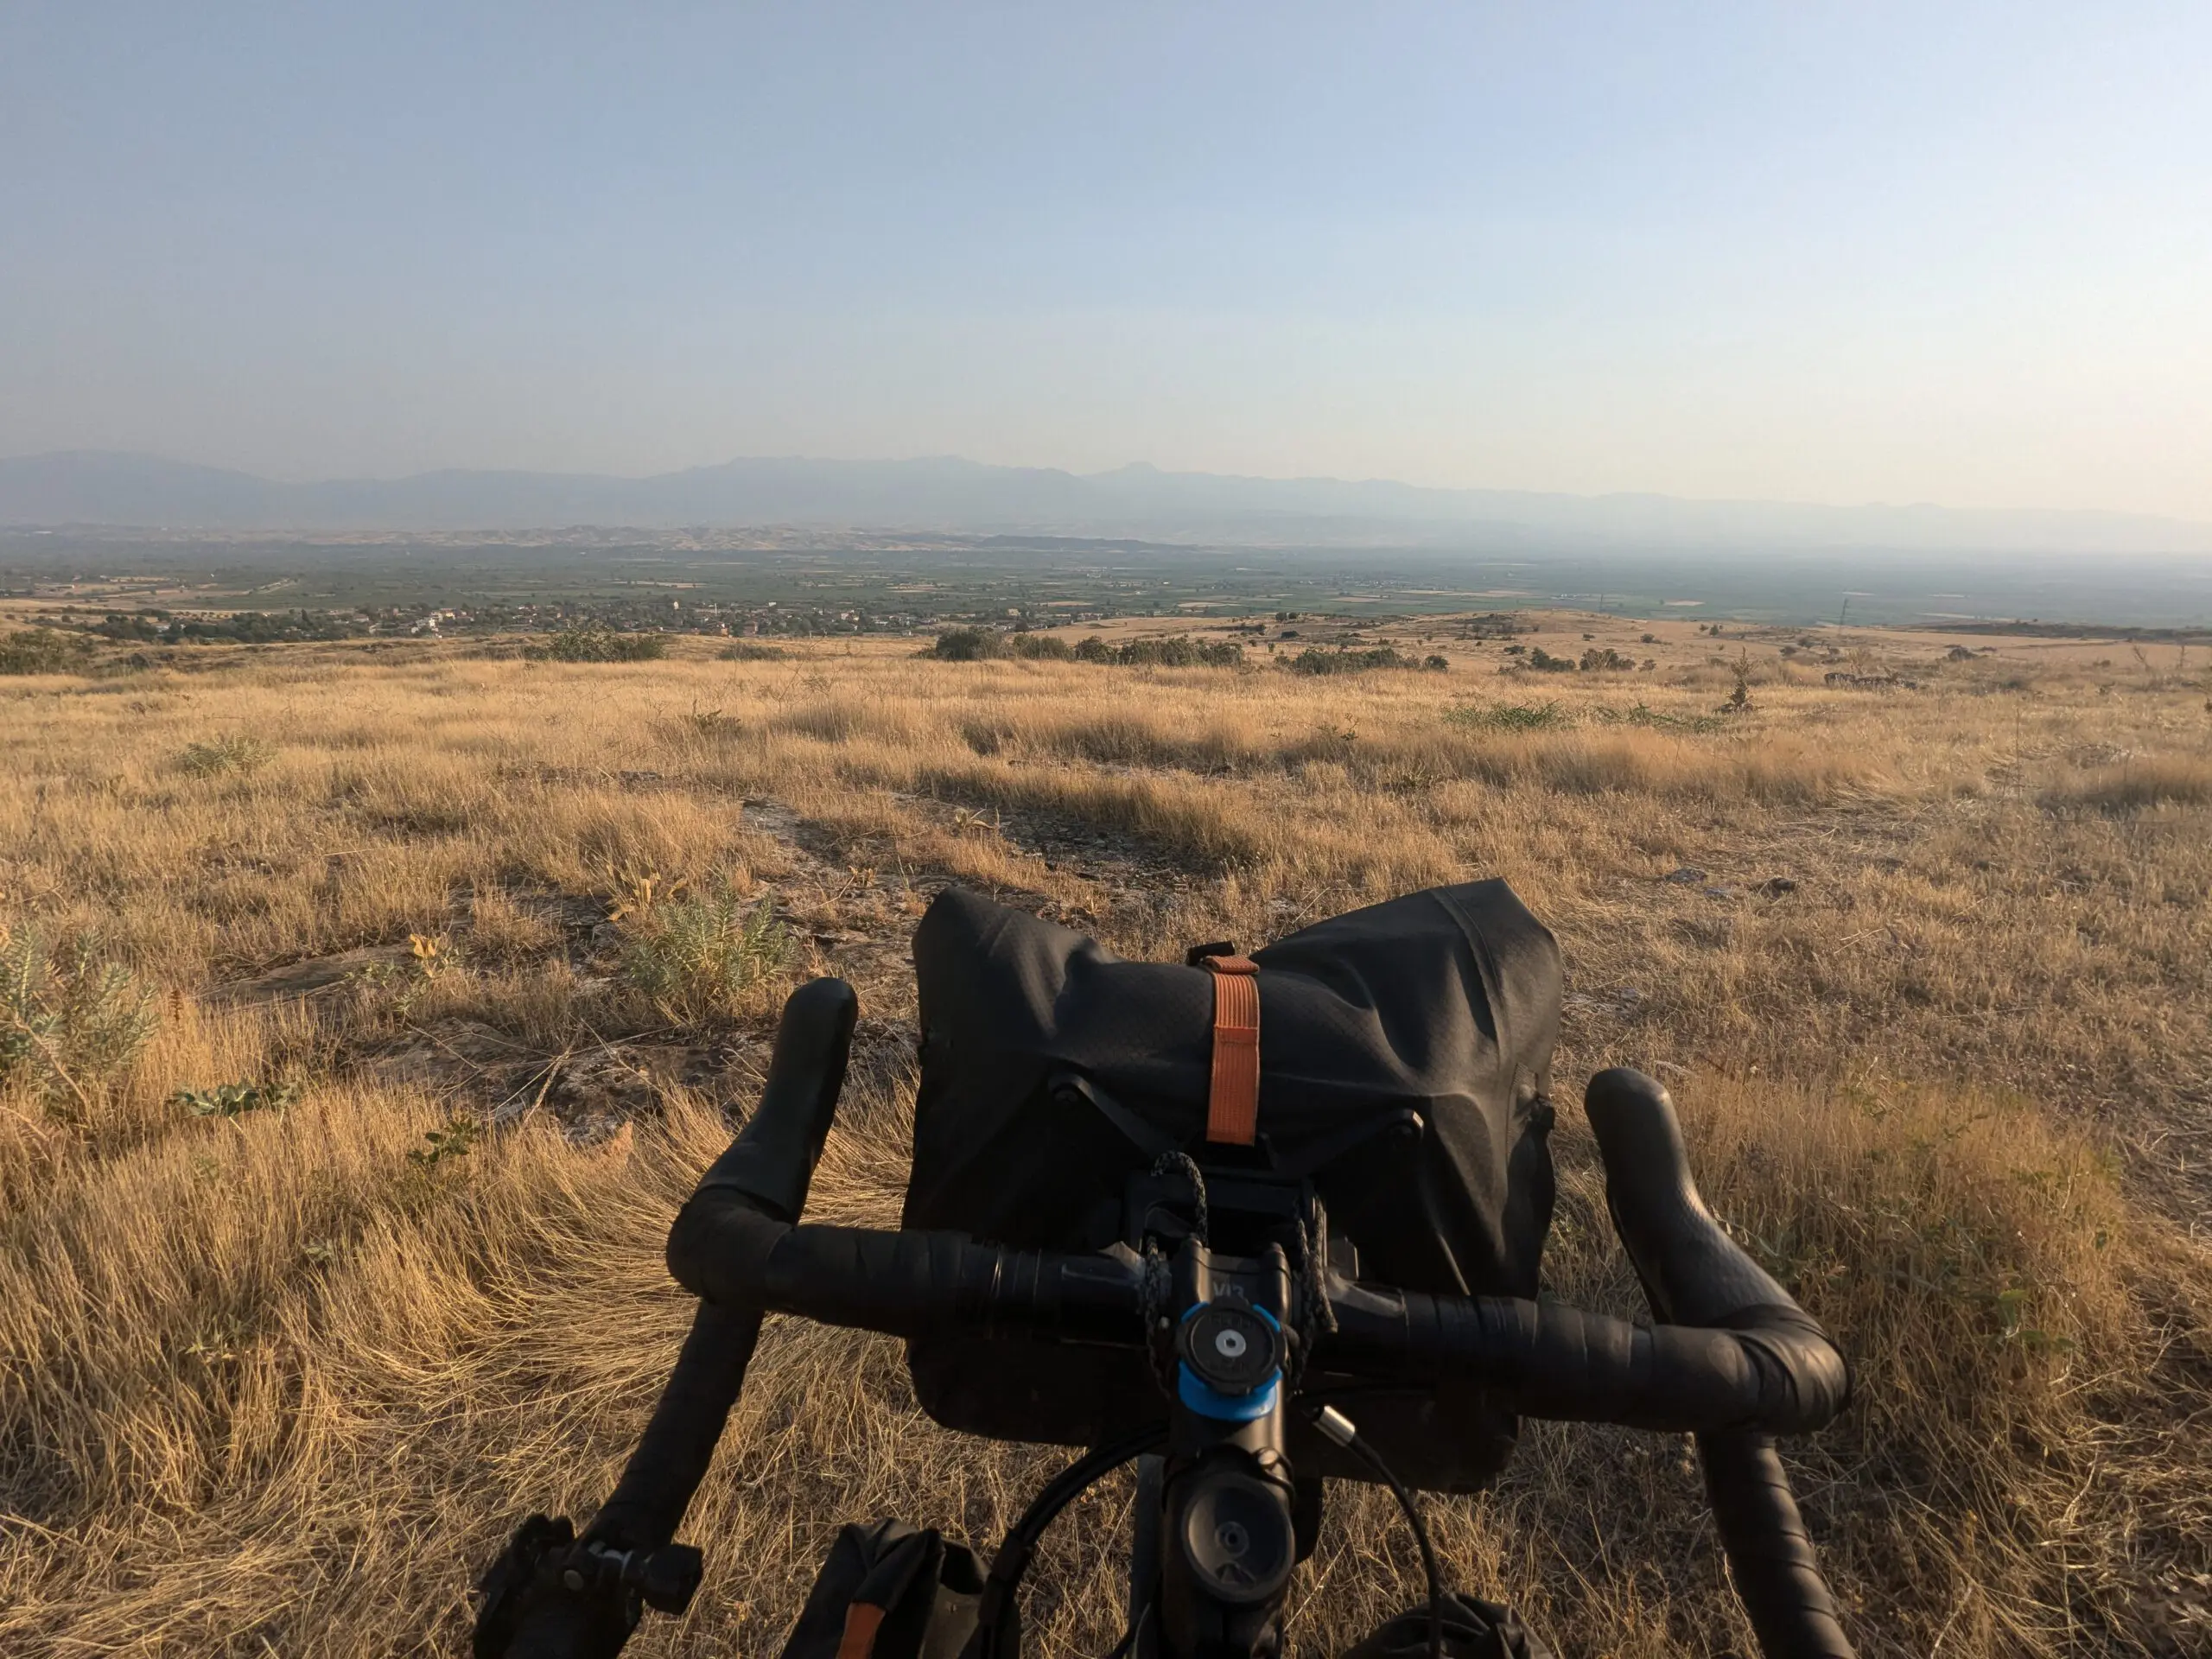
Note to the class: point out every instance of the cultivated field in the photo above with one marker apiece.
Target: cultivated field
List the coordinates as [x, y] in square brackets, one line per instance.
[357, 1042]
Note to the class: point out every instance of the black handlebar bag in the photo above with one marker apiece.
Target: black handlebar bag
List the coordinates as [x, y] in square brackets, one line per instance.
[1405, 1056]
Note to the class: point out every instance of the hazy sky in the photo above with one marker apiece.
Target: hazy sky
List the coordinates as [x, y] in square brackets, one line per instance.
[1948, 252]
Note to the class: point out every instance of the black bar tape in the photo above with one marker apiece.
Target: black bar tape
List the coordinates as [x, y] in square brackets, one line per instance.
[1771, 1556]
[772, 1161]
[1694, 1273]
[671, 1459]
[1553, 1361]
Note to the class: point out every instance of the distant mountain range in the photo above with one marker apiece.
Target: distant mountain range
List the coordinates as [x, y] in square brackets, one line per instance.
[90, 487]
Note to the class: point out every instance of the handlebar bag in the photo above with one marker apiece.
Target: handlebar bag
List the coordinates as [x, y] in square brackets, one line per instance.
[1405, 1058]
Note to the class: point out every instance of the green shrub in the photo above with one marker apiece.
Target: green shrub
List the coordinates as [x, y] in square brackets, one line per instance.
[43, 651]
[1178, 650]
[67, 1025]
[1606, 660]
[694, 957]
[454, 1139]
[236, 1099]
[1541, 659]
[1314, 660]
[968, 645]
[589, 642]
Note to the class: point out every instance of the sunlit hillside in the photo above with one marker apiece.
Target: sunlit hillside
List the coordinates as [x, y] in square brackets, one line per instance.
[367, 1010]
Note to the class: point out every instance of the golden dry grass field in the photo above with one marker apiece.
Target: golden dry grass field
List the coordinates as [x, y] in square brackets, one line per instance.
[342, 1115]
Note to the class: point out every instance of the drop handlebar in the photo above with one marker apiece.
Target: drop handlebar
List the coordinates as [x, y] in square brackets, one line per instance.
[1732, 1359]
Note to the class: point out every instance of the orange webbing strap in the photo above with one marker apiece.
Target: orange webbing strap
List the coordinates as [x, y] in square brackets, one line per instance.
[1233, 1102]
[862, 1620]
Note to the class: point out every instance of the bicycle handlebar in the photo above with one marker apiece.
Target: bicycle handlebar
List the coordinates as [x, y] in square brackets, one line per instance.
[1693, 1272]
[1734, 1358]
[1759, 1363]
[772, 1164]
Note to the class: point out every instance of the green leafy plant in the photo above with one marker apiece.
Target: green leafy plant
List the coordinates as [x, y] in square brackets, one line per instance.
[69, 1023]
[2013, 1307]
[43, 651]
[694, 956]
[1740, 700]
[393, 987]
[454, 1139]
[236, 1099]
[589, 642]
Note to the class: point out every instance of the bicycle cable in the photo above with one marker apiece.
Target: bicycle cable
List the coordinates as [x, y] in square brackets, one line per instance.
[998, 1607]
[1346, 1433]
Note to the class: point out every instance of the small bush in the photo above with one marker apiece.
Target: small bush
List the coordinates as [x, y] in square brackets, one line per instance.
[43, 651]
[1605, 659]
[1178, 650]
[67, 1025]
[989, 645]
[455, 1139]
[234, 752]
[1640, 715]
[236, 1099]
[1542, 660]
[1436, 662]
[1508, 716]
[694, 957]
[590, 643]
[968, 645]
[1314, 660]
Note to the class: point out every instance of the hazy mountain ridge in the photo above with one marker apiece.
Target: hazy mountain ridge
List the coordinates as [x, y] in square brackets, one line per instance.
[84, 488]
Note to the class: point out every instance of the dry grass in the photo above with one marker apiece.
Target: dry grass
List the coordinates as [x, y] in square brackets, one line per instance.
[269, 1384]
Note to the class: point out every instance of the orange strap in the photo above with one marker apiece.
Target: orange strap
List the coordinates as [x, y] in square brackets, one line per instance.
[862, 1620]
[1233, 1102]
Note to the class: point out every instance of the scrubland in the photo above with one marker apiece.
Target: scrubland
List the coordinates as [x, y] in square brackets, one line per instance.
[366, 1015]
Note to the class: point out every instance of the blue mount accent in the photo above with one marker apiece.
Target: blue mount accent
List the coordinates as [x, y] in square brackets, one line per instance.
[1209, 1402]
[1225, 1407]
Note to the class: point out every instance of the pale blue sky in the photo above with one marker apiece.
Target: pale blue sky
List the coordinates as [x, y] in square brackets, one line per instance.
[1960, 253]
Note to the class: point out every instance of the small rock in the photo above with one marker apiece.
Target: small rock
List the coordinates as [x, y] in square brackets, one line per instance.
[1688, 876]
[1724, 892]
[1775, 886]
